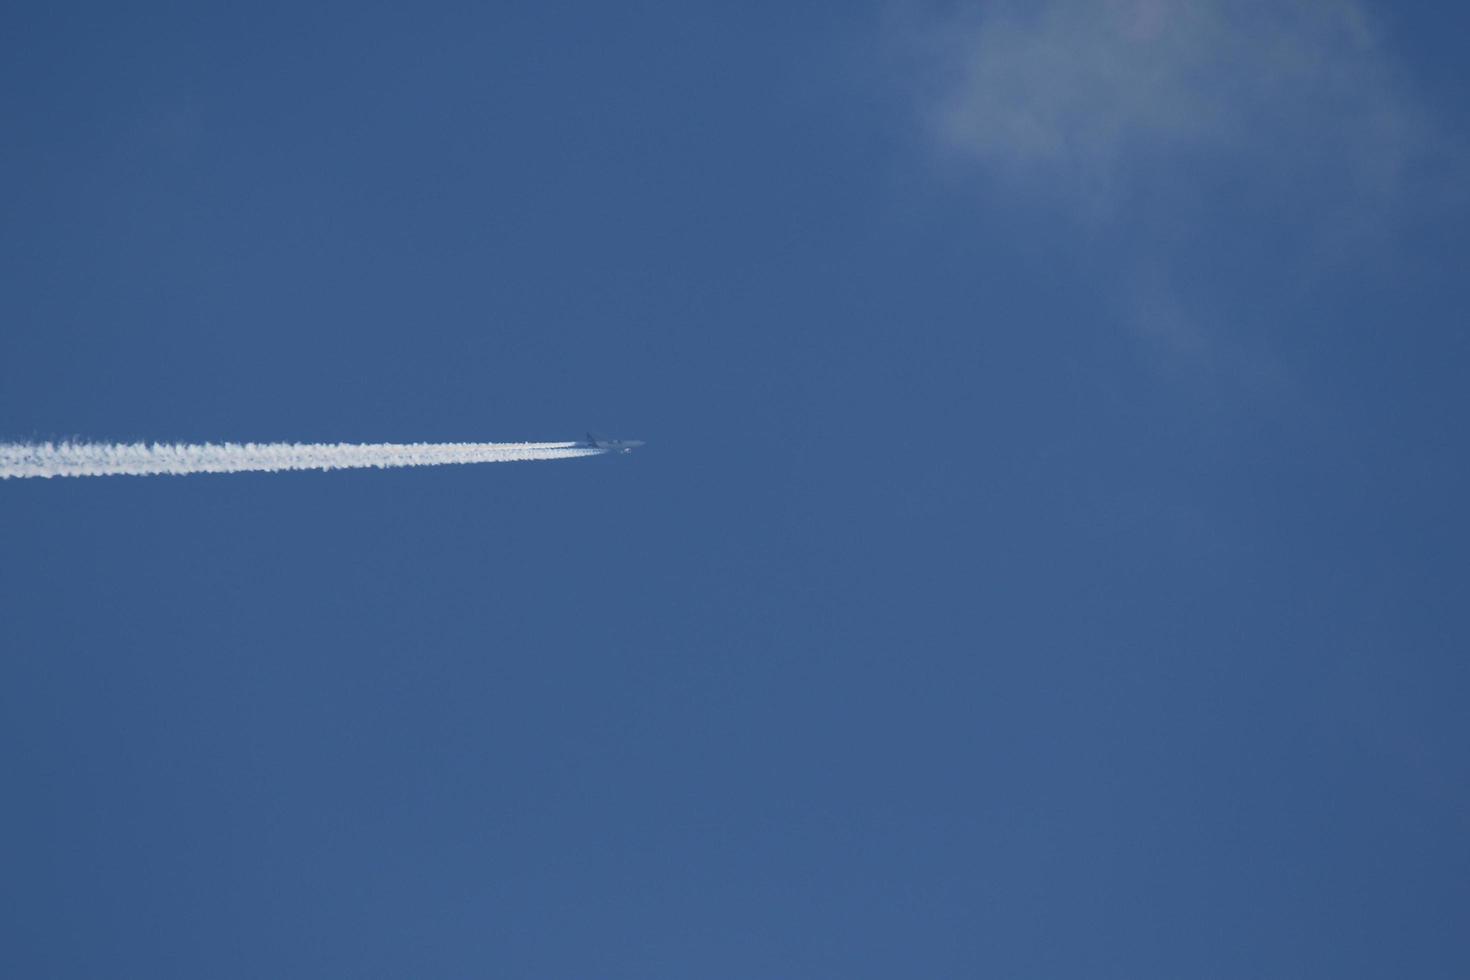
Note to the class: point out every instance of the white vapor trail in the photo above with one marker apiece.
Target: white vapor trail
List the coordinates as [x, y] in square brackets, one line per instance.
[46, 459]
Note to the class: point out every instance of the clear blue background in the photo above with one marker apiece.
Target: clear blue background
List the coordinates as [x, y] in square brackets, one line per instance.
[936, 632]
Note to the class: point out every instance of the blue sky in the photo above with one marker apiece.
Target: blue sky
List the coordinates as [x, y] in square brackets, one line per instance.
[1047, 560]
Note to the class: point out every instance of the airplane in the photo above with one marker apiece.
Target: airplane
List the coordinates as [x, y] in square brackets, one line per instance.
[612, 445]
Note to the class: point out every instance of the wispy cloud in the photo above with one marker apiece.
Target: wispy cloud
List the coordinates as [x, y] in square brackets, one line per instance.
[1099, 102]
[1183, 138]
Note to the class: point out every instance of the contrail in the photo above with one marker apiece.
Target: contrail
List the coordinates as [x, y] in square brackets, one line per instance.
[46, 459]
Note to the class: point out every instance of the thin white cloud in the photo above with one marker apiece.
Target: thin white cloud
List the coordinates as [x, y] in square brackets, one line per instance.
[1101, 101]
[1186, 137]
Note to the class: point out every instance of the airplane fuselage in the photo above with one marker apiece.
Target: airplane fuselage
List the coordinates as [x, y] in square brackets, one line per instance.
[613, 445]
